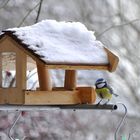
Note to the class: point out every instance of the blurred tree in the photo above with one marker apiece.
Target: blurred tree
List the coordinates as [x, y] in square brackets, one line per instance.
[117, 25]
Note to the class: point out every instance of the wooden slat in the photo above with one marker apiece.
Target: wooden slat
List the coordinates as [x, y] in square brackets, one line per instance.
[0, 70]
[70, 79]
[51, 97]
[60, 96]
[11, 96]
[87, 94]
[14, 95]
[78, 67]
[21, 61]
[44, 78]
[113, 60]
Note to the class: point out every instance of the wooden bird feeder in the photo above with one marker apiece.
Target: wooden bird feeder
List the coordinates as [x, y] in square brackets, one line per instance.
[11, 46]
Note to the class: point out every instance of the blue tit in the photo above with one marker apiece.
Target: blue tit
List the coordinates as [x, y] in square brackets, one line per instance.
[103, 90]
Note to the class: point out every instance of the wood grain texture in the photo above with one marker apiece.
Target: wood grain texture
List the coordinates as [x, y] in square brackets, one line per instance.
[70, 79]
[78, 66]
[113, 60]
[87, 95]
[44, 78]
[60, 96]
[51, 97]
[14, 95]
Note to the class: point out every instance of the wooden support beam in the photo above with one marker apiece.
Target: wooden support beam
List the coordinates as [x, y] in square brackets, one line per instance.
[44, 77]
[113, 60]
[21, 66]
[13, 95]
[87, 94]
[70, 79]
[52, 97]
[0, 70]
[78, 66]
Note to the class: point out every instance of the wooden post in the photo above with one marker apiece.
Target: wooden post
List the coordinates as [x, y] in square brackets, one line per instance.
[113, 60]
[44, 77]
[70, 79]
[0, 70]
[21, 66]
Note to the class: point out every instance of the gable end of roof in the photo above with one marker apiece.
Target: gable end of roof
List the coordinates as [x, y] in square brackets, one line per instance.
[23, 45]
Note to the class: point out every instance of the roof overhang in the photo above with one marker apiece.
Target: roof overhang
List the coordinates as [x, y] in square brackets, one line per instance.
[111, 66]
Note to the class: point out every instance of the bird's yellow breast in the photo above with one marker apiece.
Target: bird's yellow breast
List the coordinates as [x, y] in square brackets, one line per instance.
[104, 93]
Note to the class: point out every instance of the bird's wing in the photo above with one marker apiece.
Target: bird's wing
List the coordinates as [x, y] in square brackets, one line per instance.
[111, 90]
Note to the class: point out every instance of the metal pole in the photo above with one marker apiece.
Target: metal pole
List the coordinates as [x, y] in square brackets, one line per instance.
[50, 107]
[90, 107]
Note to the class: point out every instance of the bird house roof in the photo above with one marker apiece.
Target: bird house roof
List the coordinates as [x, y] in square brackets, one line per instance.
[68, 45]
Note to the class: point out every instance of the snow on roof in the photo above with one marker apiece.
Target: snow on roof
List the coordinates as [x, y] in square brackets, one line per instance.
[62, 42]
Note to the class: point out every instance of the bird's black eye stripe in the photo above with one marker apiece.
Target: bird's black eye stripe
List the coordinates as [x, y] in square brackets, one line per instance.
[100, 83]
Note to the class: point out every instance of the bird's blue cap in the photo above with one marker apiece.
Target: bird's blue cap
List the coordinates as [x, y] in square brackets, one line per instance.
[100, 80]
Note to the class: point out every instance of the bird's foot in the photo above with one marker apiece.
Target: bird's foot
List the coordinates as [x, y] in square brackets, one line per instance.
[106, 102]
[98, 103]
